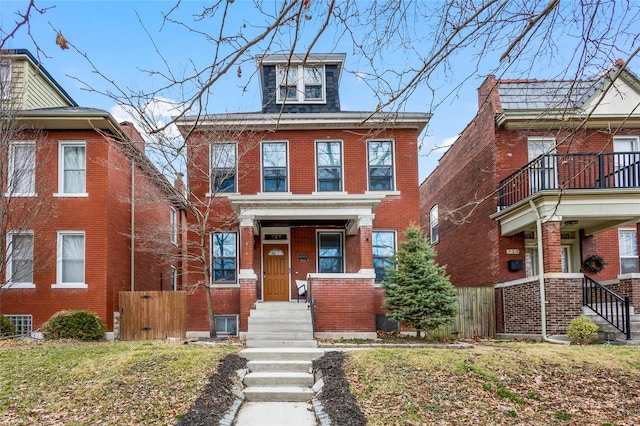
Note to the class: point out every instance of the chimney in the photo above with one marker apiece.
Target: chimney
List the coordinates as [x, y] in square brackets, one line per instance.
[133, 133]
[179, 184]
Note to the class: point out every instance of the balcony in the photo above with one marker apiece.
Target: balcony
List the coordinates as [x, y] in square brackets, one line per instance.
[560, 172]
[595, 191]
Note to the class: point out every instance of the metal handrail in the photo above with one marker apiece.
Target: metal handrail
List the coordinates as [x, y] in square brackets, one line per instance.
[311, 306]
[607, 304]
[571, 171]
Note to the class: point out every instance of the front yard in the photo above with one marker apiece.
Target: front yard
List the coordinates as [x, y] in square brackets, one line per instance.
[157, 383]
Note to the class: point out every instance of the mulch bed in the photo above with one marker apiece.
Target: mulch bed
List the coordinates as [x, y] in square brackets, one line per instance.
[217, 396]
[336, 398]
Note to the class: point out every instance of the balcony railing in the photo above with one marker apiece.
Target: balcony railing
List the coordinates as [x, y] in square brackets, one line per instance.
[571, 171]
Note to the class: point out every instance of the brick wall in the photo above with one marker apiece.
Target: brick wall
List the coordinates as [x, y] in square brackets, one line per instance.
[344, 305]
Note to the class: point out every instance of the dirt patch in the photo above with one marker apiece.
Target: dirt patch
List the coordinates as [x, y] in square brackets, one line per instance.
[216, 396]
[336, 398]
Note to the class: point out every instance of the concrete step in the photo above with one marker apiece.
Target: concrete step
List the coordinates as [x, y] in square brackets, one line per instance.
[280, 335]
[266, 324]
[281, 354]
[278, 394]
[280, 315]
[277, 379]
[283, 366]
[631, 310]
[278, 306]
[279, 344]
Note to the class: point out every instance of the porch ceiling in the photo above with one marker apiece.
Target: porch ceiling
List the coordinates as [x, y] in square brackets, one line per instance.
[594, 211]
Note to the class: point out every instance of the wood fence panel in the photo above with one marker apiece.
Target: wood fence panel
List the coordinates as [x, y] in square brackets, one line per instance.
[152, 314]
[476, 315]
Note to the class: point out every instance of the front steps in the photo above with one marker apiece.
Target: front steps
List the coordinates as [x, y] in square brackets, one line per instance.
[605, 327]
[279, 374]
[280, 325]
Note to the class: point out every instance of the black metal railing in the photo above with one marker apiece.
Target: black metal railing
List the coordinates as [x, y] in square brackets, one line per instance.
[311, 305]
[609, 305]
[571, 171]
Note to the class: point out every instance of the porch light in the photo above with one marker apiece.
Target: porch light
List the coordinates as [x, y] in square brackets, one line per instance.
[570, 222]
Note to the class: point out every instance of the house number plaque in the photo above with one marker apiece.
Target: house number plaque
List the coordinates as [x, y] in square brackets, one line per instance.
[513, 251]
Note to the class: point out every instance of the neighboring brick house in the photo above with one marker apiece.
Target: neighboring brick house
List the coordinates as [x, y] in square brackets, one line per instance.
[70, 179]
[303, 191]
[544, 164]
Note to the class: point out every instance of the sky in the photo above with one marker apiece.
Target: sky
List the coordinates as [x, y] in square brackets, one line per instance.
[113, 38]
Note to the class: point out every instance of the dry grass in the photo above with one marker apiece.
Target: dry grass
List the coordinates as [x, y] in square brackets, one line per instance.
[512, 383]
[109, 383]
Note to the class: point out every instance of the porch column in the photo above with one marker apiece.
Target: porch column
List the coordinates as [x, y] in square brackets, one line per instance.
[247, 278]
[551, 244]
[365, 235]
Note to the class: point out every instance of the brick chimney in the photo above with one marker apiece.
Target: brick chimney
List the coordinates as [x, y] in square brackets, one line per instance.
[133, 133]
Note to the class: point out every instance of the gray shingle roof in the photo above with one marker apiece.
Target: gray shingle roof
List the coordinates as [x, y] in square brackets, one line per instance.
[545, 94]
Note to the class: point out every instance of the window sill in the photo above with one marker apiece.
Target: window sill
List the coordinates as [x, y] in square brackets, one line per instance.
[71, 195]
[18, 195]
[329, 193]
[220, 194]
[70, 285]
[275, 193]
[17, 285]
[228, 285]
[298, 101]
[383, 192]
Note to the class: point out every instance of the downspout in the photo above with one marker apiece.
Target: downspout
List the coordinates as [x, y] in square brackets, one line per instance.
[133, 223]
[543, 297]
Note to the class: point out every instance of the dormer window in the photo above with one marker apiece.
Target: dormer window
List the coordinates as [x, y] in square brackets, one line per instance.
[298, 83]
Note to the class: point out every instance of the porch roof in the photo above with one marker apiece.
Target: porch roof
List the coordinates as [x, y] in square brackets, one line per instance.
[593, 211]
[352, 209]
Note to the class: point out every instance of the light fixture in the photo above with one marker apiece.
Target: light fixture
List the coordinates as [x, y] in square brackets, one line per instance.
[570, 222]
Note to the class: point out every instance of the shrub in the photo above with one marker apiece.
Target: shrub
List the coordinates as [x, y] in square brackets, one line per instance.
[6, 327]
[582, 330]
[78, 325]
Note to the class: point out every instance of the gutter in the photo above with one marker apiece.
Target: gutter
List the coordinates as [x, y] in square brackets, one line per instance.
[543, 298]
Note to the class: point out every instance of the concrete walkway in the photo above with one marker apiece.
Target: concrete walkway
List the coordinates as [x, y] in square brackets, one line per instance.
[276, 414]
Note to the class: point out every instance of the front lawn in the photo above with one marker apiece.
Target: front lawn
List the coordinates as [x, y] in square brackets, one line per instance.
[108, 383]
[499, 384]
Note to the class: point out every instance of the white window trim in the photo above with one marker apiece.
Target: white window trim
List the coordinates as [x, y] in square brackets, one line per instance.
[5, 89]
[174, 278]
[59, 283]
[12, 144]
[395, 246]
[635, 139]
[393, 191]
[342, 245]
[620, 257]
[173, 219]
[9, 270]
[432, 240]
[211, 192]
[342, 168]
[211, 258]
[61, 193]
[237, 323]
[286, 142]
[300, 85]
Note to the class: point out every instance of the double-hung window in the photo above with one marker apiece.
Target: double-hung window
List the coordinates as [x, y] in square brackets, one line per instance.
[71, 259]
[380, 159]
[384, 247]
[174, 226]
[274, 166]
[224, 257]
[298, 83]
[72, 168]
[22, 169]
[223, 167]
[329, 165]
[20, 259]
[628, 242]
[434, 229]
[330, 252]
[5, 80]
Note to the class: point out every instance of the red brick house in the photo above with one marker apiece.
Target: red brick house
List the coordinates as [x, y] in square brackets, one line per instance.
[545, 177]
[76, 187]
[302, 190]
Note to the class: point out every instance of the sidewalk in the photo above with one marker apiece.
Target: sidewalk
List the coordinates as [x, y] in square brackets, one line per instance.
[276, 414]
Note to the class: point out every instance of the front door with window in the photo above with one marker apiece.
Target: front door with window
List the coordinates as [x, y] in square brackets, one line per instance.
[275, 272]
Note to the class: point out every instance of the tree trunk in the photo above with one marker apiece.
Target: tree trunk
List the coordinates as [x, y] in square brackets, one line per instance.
[210, 314]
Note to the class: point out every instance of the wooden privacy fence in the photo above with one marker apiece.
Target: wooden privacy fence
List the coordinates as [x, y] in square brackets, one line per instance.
[476, 314]
[153, 314]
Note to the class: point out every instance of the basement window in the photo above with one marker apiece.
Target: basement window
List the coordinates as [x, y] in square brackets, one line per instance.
[22, 323]
[226, 325]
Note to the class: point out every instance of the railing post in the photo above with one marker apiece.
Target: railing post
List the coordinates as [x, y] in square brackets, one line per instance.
[627, 318]
[601, 170]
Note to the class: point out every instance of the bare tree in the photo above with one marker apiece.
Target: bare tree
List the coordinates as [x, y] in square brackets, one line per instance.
[22, 212]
